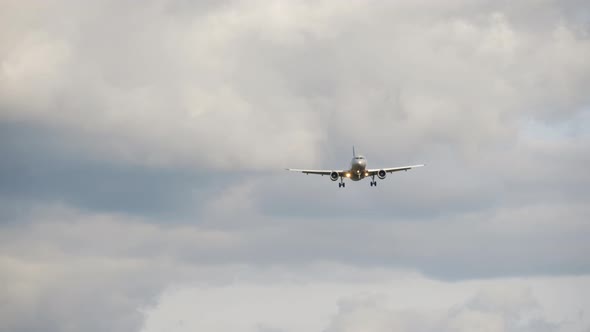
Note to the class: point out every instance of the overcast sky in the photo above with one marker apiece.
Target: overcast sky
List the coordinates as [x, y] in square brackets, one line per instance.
[143, 147]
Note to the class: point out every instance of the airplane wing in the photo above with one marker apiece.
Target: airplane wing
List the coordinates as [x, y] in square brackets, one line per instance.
[316, 171]
[391, 169]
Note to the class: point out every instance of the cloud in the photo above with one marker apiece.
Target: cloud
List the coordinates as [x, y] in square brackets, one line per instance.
[63, 270]
[142, 147]
[492, 308]
[291, 79]
[399, 301]
[61, 262]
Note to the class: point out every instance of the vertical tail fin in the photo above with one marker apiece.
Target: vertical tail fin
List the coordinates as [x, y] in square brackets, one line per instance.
[353, 153]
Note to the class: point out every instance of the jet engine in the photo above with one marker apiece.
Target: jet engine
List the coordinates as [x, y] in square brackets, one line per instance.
[381, 174]
[334, 176]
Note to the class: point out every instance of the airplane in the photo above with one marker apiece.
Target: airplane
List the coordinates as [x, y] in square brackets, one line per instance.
[358, 171]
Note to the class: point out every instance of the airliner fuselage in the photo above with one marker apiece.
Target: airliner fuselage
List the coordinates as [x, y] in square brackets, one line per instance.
[358, 166]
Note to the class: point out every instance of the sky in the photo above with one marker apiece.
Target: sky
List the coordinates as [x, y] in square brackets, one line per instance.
[143, 148]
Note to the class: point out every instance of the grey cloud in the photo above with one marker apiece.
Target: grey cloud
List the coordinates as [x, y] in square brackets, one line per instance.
[116, 264]
[72, 294]
[460, 89]
[145, 92]
[542, 240]
[492, 310]
[400, 303]
[165, 127]
[71, 272]
[39, 164]
[454, 98]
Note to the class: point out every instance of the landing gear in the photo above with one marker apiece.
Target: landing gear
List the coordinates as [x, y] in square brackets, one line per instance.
[373, 183]
[341, 185]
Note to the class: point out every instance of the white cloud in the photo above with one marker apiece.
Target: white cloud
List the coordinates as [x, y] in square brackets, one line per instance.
[257, 85]
[407, 302]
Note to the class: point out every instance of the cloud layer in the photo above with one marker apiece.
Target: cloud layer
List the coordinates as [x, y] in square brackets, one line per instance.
[143, 147]
[375, 300]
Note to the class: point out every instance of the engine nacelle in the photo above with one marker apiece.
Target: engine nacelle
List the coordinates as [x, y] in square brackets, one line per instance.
[334, 176]
[381, 174]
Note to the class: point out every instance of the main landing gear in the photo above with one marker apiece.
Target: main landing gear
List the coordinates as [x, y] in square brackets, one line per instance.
[373, 182]
[341, 185]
